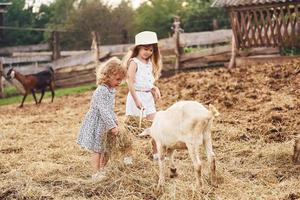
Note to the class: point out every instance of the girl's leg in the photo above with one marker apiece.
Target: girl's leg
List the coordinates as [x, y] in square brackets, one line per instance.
[95, 161]
[103, 160]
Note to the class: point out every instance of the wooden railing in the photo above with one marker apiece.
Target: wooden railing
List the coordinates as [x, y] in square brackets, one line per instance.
[78, 67]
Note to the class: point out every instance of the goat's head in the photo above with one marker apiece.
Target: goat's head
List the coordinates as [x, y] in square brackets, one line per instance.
[10, 74]
[145, 133]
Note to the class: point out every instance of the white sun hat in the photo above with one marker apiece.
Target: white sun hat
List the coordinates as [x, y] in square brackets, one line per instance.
[145, 38]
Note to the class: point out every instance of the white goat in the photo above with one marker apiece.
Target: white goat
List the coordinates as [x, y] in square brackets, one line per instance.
[186, 124]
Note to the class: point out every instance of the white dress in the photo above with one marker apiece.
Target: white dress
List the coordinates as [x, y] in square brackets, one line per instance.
[144, 82]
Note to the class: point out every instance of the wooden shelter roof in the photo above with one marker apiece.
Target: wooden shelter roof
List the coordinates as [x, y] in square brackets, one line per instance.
[3, 6]
[237, 3]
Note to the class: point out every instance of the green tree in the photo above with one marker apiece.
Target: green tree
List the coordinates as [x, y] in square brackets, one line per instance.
[123, 23]
[90, 16]
[199, 15]
[157, 15]
[114, 26]
[18, 17]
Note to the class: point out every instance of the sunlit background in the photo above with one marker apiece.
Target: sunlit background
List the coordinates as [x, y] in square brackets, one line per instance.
[35, 4]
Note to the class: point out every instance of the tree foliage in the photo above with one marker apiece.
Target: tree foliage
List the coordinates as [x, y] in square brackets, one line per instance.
[199, 16]
[20, 18]
[157, 15]
[114, 25]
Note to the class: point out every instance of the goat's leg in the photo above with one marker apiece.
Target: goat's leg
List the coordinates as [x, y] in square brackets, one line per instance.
[24, 97]
[173, 169]
[52, 90]
[33, 94]
[161, 180]
[196, 162]
[210, 157]
[42, 95]
[296, 156]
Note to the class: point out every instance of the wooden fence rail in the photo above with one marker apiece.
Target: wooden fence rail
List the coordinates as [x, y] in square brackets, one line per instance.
[10, 50]
[78, 67]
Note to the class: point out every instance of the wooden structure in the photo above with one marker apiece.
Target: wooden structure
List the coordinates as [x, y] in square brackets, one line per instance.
[55, 47]
[78, 67]
[177, 50]
[260, 23]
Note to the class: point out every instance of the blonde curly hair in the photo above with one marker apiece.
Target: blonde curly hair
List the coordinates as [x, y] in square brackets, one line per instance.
[109, 69]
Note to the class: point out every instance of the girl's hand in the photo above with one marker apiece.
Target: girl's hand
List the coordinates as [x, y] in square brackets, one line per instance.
[139, 104]
[156, 93]
[115, 131]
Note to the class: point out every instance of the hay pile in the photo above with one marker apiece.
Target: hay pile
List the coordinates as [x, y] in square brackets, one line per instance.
[253, 140]
[132, 125]
[119, 144]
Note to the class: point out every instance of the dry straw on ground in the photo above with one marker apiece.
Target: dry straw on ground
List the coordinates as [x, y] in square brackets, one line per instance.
[253, 140]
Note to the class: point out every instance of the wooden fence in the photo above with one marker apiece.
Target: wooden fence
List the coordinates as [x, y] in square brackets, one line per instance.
[182, 51]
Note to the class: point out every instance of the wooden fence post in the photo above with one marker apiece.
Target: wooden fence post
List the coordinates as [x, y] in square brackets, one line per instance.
[233, 53]
[95, 48]
[55, 46]
[1, 82]
[176, 36]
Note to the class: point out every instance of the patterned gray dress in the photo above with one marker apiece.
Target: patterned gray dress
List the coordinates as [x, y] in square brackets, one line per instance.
[99, 119]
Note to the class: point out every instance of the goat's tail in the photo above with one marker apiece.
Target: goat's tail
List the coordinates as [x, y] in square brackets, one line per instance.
[214, 111]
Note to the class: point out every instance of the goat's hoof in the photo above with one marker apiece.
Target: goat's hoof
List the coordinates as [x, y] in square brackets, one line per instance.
[173, 175]
[159, 188]
[214, 182]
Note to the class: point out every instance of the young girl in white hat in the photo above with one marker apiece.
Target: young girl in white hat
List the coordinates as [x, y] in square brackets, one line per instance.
[144, 66]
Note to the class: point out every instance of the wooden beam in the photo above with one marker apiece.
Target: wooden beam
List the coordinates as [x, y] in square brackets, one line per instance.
[233, 53]
[82, 59]
[259, 51]
[205, 38]
[205, 52]
[265, 6]
[10, 50]
[55, 45]
[16, 60]
[260, 60]
[47, 53]
[176, 41]
[94, 48]
[30, 69]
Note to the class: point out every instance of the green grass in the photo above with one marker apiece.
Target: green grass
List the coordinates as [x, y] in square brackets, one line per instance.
[11, 92]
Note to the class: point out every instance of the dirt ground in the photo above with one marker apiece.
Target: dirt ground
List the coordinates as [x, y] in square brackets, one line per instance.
[253, 140]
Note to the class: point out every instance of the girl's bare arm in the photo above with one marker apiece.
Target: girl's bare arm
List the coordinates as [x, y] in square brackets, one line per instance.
[131, 78]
